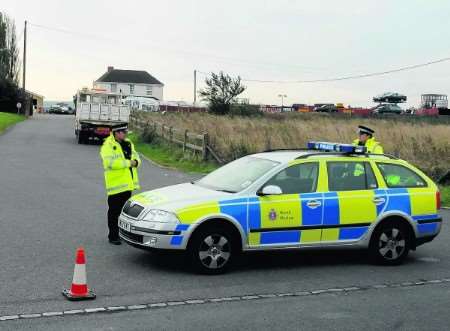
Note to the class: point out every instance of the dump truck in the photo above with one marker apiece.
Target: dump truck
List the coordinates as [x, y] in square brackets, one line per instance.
[97, 112]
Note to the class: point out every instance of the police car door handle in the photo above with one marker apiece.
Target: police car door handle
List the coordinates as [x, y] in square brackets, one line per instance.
[379, 200]
[313, 204]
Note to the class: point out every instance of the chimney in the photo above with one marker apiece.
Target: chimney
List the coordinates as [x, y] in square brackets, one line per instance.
[110, 68]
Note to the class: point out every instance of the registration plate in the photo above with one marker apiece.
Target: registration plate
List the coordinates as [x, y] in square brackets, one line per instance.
[124, 225]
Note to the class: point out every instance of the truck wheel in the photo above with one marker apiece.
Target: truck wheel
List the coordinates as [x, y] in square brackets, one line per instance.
[390, 243]
[81, 138]
[212, 250]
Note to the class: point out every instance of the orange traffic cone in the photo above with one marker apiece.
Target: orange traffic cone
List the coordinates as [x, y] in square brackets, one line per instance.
[79, 289]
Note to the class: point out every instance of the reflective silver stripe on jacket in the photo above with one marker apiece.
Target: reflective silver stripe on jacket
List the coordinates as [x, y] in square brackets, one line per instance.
[118, 187]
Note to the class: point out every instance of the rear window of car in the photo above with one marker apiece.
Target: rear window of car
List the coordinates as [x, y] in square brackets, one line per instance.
[398, 176]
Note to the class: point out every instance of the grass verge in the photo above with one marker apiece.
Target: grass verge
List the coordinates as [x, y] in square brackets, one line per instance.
[445, 196]
[8, 119]
[171, 156]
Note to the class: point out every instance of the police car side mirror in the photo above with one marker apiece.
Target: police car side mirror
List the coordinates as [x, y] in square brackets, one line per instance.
[270, 190]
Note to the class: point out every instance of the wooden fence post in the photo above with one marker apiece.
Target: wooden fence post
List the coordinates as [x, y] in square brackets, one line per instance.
[205, 146]
[185, 140]
[170, 134]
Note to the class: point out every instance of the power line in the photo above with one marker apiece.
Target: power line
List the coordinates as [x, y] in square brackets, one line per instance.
[380, 73]
[223, 59]
[336, 79]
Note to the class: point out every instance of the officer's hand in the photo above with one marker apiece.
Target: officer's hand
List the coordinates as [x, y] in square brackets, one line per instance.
[134, 163]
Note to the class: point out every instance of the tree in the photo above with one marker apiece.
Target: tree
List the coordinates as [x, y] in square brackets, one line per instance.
[220, 92]
[9, 53]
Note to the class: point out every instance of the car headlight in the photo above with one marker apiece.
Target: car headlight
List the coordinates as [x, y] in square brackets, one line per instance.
[160, 216]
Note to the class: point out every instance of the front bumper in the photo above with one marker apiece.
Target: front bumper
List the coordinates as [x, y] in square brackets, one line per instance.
[152, 235]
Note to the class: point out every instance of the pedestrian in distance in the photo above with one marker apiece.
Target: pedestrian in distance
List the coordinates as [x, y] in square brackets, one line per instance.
[366, 138]
[120, 162]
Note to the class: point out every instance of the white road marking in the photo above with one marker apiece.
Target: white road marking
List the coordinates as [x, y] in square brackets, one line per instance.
[113, 309]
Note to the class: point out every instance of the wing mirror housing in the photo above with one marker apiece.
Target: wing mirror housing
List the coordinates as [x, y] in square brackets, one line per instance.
[270, 190]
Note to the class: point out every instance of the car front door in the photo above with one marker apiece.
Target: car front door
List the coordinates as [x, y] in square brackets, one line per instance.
[292, 217]
[352, 202]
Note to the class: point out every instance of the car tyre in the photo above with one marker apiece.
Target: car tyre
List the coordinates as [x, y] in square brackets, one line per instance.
[212, 250]
[390, 243]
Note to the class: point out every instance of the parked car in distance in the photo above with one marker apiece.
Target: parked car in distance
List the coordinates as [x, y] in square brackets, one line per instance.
[387, 108]
[327, 108]
[61, 108]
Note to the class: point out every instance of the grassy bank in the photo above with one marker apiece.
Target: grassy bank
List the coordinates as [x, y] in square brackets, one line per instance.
[171, 156]
[445, 196]
[422, 141]
[8, 119]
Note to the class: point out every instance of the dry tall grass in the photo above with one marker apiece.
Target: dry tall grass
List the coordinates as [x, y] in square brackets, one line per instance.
[424, 143]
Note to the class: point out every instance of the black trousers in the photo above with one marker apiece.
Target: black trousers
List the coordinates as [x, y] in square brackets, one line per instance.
[115, 204]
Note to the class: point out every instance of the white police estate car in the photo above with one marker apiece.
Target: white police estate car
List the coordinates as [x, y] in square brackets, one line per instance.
[328, 195]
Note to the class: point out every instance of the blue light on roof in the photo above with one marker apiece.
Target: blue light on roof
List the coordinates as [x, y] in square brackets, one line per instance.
[336, 147]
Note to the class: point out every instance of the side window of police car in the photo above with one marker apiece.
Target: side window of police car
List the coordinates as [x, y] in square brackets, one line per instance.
[299, 178]
[350, 176]
[398, 176]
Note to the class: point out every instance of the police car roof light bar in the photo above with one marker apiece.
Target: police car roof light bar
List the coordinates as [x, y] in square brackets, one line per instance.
[336, 147]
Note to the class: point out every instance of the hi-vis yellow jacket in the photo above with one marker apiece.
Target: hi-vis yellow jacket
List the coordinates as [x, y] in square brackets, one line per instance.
[372, 146]
[117, 168]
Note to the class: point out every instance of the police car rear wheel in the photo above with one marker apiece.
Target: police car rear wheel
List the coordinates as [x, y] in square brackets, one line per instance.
[212, 250]
[390, 244]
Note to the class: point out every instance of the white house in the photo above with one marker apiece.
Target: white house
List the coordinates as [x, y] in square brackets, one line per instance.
[130, 83]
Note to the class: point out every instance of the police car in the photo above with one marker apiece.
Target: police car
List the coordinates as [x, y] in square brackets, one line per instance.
[327, 195]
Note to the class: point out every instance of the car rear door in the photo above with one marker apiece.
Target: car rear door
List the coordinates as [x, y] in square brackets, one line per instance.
[351, 203]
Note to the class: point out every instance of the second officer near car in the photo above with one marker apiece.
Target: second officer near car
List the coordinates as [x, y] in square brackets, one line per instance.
[366, 138]
[120, 162]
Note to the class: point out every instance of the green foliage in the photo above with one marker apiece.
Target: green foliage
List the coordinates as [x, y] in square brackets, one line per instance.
[7, 120]
[220, 92]
[170, 156]
[9, 59]
[245, 110]
[149, 134]
[445, 196]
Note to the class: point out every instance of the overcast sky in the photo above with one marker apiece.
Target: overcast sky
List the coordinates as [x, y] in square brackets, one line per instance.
[256, 39]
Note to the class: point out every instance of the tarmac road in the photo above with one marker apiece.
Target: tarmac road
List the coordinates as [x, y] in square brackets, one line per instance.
[52, 200]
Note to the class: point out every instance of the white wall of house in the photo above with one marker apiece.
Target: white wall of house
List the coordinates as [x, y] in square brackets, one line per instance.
[139, 90]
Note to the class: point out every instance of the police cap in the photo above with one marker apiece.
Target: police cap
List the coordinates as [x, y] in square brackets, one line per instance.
[365, 130]
[119, 128]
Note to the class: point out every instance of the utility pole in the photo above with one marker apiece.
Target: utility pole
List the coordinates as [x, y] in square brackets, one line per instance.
[24, 57]
[195, 87]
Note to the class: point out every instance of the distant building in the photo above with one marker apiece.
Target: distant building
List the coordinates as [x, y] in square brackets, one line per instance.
[37, 101]
[130, 83]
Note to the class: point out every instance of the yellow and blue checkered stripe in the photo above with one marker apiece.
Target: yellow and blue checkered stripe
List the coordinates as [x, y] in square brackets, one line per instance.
[336, 219]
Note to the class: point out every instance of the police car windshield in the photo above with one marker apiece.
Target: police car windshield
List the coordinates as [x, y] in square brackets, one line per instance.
[237, 175]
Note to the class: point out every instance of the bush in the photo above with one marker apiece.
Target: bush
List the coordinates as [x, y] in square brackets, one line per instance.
[149, 134]
[218, 108]
[245, 110]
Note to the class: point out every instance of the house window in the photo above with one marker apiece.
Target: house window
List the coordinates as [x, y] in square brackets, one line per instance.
[131, 89]
[113, 88]
[149, 90]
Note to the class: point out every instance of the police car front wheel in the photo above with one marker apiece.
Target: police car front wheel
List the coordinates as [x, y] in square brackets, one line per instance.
[390, 243]
[212, 250]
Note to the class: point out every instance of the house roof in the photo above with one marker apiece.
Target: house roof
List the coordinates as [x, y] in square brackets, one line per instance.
[128, 76]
